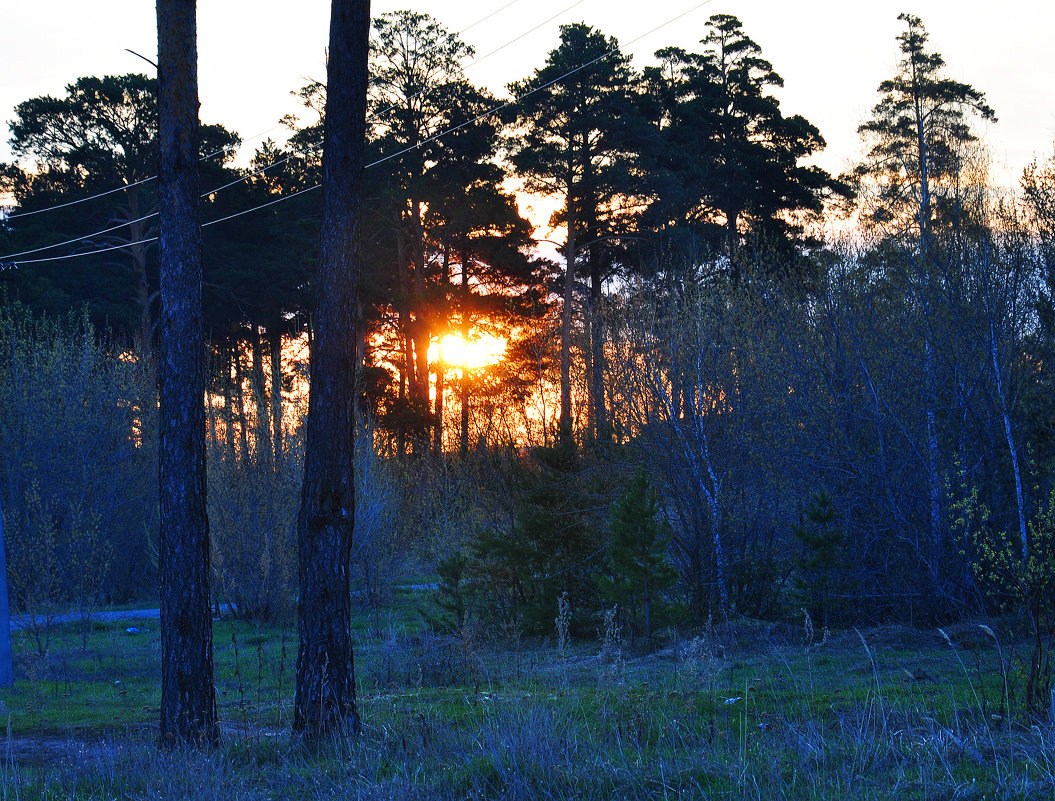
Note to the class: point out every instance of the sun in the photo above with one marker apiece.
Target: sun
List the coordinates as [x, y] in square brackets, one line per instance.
[479, 351]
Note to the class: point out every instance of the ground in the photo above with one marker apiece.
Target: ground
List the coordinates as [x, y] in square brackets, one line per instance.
[748, 710]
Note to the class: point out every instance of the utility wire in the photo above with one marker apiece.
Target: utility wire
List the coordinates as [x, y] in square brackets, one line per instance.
[494, 110]
[260, 170]
[207, 156]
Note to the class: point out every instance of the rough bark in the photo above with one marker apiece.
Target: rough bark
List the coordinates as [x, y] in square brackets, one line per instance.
[325, 695]
[188, 700]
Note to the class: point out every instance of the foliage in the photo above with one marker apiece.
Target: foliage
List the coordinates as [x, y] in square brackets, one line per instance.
[77, 456]
[636, 572]
[252, 520]
[726, 158]
[823, 559]
[56, 559]
[917, 136]
[1017, 581]
[102, 133]
[550, 547]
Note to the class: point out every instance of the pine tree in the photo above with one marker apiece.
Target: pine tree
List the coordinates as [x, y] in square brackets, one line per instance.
[726, 158]
[325, 696]
[911, 189]
[637, 569]
[578, 138]
[188, 697]
[822, 557]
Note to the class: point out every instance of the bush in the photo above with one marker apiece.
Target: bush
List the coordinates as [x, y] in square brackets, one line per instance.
[77, 460]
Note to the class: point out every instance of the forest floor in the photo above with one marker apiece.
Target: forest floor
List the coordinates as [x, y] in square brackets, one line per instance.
[749, 711]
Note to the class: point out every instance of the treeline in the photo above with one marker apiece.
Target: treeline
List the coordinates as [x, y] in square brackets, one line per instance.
[694, 153]
[706, 389]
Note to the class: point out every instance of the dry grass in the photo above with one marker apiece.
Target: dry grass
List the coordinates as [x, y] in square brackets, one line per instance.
[890, 713]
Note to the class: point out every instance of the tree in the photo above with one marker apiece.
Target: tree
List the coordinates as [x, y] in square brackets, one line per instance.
[417, 81]
[914, 178]
[637, 569]
[822, 556]
[917, 136]
[188, 698]
[325, 695]
[576, 137]
[102, 134]
[726, 156]
[6, 670]
[442, 211]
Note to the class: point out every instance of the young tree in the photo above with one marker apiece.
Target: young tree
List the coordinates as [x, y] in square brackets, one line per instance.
[637, 569]
[325, 696]
[188, 698]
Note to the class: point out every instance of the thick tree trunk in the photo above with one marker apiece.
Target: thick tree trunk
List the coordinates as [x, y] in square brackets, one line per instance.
[325, 697]
[188, 699]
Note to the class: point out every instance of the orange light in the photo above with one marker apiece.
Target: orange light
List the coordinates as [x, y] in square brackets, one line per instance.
[479, 351]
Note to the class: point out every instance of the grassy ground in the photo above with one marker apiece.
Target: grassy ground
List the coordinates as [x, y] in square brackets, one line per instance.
[749, 712]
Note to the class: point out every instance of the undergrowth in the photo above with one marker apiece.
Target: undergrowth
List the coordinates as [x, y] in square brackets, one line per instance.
[736, 713]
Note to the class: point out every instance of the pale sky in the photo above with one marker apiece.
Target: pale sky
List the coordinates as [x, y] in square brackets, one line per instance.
[831, 53]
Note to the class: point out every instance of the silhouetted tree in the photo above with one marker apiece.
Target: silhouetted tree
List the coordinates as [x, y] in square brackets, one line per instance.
[188, 698]
[100, 136]
[325, 696]
[576, 137]
[912, 186]
[727, 159]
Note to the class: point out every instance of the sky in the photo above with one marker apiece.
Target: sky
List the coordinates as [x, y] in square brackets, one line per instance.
[832, 54]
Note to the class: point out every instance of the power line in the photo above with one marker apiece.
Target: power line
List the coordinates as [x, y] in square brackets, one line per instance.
[6, 263]
[477, 118]
[259, 170]
[206, 157]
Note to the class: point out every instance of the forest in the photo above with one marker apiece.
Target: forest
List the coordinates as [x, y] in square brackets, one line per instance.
[734, 392]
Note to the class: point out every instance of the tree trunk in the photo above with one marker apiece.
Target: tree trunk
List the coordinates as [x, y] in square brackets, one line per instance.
[6, 664]
[261, 405]
[188, 699]
[239, 391]
[600, 411]
[325, 696]
[136, 233]
[228, 413]
[565, 432]
[275, 346]
[466, 325]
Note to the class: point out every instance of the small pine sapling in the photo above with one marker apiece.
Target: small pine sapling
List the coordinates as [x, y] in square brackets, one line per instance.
[637, 571]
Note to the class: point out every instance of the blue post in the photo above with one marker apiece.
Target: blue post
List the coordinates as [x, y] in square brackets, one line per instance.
[6, 670]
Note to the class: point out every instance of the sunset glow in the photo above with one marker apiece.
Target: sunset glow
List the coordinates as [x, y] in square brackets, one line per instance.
[479, 351]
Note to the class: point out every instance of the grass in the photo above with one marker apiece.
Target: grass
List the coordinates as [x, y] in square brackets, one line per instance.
[890, 713]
